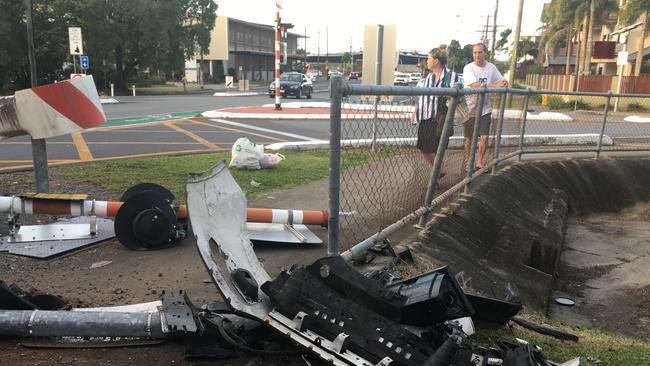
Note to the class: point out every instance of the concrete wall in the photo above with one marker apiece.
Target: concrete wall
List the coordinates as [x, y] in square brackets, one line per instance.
[511, 227]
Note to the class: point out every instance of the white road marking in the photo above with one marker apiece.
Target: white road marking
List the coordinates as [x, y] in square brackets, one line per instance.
[242, 125]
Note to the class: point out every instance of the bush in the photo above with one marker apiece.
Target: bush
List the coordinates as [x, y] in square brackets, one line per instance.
[535, 69]
[580, 104]
[635, 107]
[536, 98]
[557, 103]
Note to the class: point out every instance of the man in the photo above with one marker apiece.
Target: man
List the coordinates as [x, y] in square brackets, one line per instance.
[476, 74]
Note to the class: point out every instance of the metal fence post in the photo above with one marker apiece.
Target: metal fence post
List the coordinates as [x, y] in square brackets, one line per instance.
[475, 136]
[523, 125]
[602, 126]
[336, 95]
[374, 125]
[497, 146]
[440, 156]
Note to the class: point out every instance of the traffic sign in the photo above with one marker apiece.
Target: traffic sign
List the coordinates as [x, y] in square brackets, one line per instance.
[84, 62]
[76, 43]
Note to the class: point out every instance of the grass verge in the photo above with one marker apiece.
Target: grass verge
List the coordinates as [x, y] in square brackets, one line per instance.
[171, 172]
[594, 346]
[168, 89]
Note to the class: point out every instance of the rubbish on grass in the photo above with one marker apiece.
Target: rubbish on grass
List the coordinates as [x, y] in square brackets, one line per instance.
[100, 264]
[255, 184]
[244, 154]
[564, 301]
[542, 329]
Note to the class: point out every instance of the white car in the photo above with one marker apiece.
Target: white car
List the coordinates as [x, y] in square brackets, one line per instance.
[415, 77]
[400, 78]
[334, 73]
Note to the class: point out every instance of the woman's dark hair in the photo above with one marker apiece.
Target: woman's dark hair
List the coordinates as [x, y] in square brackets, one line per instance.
[440, 54]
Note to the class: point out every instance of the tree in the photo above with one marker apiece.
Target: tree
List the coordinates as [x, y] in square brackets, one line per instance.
[346, 60]
[563, 19]
[635, 9]
[132, 36]
[199, 17]
[13, 47]
[502, 43]
[458, 57]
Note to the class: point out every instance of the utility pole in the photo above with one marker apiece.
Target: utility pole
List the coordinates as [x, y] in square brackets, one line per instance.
[515, 46]
[487, 25]
[494, 30]
[39, 148]
[351, 56]
[277, 56]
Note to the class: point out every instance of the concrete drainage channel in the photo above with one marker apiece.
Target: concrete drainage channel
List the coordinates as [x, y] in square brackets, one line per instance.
[512, 226]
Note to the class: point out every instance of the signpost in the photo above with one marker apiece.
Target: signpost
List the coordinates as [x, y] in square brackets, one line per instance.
[83, 60]
[76, 44]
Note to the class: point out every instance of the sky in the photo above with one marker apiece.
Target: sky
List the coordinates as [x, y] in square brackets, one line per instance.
[334, 25]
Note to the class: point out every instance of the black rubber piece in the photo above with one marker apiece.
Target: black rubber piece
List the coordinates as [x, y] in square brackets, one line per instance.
[143, 187]
[145, 221]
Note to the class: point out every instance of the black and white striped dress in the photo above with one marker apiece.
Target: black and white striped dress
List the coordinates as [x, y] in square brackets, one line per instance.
[432, 110]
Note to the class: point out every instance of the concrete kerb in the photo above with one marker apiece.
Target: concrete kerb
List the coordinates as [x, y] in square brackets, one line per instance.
[402, 111]
[454, 142]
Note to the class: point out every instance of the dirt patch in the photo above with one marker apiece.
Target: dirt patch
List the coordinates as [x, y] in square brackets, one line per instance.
[604, 268]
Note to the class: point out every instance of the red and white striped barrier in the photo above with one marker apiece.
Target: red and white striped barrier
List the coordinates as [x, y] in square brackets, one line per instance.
[58, 109]
[32, 206]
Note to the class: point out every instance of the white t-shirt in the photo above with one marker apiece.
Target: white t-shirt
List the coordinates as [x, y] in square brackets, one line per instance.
[487, 74]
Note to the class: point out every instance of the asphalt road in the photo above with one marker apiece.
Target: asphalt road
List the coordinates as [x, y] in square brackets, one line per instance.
[145, 105]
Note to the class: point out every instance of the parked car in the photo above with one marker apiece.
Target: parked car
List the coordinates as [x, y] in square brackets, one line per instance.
[353, 76]
[400, 78]
[333, 73]
[414, 77]
[294, 84]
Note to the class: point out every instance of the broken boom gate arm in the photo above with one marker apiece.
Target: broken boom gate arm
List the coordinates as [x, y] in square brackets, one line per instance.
[147, 217]
[70, 207]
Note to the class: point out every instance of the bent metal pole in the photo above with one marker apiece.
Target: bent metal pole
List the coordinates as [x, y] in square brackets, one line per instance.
[69, 207]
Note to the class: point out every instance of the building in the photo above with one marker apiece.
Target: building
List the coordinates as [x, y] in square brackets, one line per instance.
[243, 50]
[406, 62]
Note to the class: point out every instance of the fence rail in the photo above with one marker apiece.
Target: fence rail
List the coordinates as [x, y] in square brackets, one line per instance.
[380, 182]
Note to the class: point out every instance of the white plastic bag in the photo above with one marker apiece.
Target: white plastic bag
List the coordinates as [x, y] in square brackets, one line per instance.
[271, 160]
[244, 154]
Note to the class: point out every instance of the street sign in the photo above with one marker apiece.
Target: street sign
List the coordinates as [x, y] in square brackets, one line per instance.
[76, 75]
[76, 43]
[84, 62]
[622, 58]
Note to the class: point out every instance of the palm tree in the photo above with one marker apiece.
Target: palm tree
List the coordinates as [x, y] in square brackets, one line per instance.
[634, 9]
[597, 9]
[563, 19]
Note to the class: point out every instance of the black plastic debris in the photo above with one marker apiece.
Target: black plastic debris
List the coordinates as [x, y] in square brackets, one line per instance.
[333, 300]
[13, 297]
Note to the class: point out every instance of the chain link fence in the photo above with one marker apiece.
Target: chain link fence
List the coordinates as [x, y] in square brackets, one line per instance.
[380, 181]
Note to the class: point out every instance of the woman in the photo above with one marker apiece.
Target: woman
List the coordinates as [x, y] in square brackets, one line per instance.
[431, 111]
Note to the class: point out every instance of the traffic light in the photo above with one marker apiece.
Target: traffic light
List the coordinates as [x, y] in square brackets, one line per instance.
[284, 27]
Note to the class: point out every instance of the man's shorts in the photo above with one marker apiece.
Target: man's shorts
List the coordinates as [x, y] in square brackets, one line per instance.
[483, 125]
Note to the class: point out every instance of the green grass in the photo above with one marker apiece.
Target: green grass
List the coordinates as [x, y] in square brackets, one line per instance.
[171, 172]
[166, 89]
[608, 348]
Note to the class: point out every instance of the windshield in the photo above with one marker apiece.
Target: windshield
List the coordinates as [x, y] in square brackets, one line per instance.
[291, 77]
